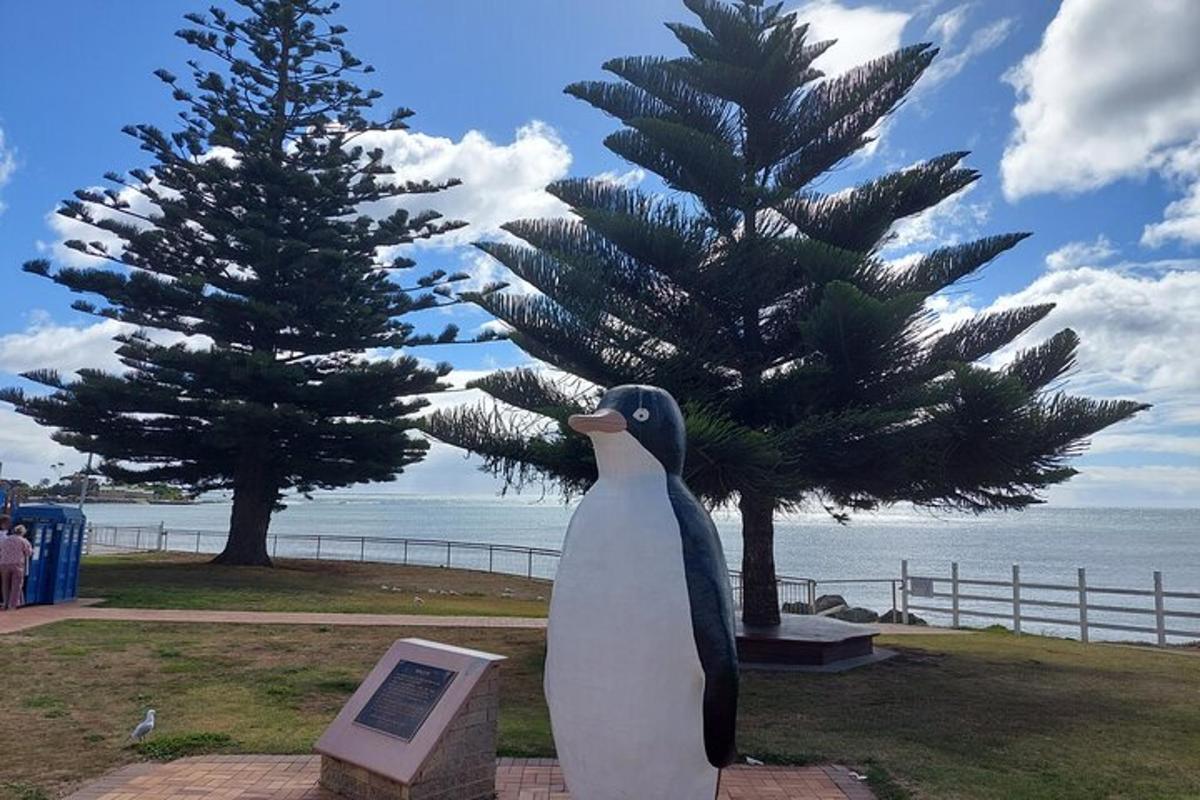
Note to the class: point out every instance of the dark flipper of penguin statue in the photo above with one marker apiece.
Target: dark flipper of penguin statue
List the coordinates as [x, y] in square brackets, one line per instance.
[712, 621]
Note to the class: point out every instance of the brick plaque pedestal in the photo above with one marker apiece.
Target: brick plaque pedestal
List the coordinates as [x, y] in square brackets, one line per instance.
[422, 726]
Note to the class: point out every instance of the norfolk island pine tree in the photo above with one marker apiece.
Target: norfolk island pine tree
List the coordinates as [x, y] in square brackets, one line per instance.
[810, 370]
[245, 248]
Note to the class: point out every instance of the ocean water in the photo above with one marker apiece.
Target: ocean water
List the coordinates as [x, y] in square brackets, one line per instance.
[1119, 547]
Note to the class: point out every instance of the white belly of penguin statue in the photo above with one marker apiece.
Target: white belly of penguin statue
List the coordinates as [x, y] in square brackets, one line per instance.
[641, 668]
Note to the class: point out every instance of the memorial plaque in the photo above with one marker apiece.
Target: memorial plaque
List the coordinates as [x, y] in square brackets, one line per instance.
[405, 699]
[422, 724]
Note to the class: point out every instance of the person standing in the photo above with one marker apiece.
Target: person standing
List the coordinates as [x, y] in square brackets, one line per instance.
[5, 530]
[15, 551]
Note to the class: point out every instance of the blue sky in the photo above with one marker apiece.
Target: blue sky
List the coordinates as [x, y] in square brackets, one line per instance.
[1083, 117]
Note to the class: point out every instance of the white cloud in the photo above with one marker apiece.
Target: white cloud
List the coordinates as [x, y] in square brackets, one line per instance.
[948, 65]
[497, 326]
[66, 348]
[26, 448]
[1138, 331]
[500, 182]
[1127, 486]
[1137, 325]
[45, 344]
[945, 26]
[1081, 254]
[1110, 93]
[628, 179]
[444, 470]
[954, 220]
[949, 310]
[1112, 440]
[862, 33]
[27, 451]
[68, 229]
[1181, 219]
[486, 270]
[867, 32]
[8, 165]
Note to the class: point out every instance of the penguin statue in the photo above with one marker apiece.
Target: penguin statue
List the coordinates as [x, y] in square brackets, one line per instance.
[641, 665]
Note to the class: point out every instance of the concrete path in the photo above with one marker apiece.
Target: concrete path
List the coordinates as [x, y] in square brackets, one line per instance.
[295, 778]
[34, 616]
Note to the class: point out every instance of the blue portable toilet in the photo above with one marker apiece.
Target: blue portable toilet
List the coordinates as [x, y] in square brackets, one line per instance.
[56, 533]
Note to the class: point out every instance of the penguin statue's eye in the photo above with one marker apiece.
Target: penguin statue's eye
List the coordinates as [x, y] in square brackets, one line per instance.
[642, 414]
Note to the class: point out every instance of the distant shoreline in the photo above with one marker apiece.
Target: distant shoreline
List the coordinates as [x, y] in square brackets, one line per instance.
[132, 501]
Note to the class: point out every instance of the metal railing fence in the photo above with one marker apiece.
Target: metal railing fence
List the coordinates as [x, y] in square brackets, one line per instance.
[961, 598]
[1012, 605]
[529, 562]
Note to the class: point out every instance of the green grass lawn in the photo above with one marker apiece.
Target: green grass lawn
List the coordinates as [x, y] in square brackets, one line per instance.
[171, 580]
[74, 691]
[975, 716]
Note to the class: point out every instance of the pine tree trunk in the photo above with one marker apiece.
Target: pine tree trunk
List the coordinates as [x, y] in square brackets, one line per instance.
[253, 501]
[760, 595]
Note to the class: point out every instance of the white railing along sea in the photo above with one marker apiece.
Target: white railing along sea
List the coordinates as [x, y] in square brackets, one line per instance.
[1014, 603]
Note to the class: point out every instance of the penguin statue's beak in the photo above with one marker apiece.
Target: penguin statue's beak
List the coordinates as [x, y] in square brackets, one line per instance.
[606, 420]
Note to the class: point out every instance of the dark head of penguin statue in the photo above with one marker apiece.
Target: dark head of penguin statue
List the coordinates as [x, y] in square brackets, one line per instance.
[649, 414]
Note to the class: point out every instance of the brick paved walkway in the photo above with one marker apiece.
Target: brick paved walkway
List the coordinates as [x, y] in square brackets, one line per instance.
[295, 778]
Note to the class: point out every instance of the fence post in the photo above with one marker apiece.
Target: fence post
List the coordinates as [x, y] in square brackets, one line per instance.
[1083, 623]
[1016, 599]
[197, 541]
[529, 572]
[162, 535]
[318, 547]
[138, 544]
[362, 548]
[904, 591]
[1160, 617]
[894, 609]
[954, 594]
[406, 552]
[274, 545]
[447, 555]
[491, 553]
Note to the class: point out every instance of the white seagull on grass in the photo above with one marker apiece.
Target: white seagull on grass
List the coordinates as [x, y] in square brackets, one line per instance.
[144, 727]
